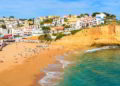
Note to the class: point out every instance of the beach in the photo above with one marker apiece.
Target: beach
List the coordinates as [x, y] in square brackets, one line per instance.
[22, 63]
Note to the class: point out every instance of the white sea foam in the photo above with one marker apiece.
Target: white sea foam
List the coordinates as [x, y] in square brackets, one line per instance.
[102, 48]
[49, 76]
[96, 49]
[53, 67]
[65, 63]
[53, 71]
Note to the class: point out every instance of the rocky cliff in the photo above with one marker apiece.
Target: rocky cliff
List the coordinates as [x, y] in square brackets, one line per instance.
[103, 35]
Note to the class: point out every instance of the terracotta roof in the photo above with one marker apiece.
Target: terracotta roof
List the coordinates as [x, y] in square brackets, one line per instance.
[59, 28]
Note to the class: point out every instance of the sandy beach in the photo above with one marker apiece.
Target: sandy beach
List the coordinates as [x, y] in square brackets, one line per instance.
[11, 66]
[16, 53]
[21, 63]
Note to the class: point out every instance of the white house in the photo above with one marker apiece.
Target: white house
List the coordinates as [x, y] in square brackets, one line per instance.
[5, 31]
[58, 21]
[79, 24]
[69, 29]
[48, 24]
[17, 32]
[87, 21]
[37, 32]
[101, 15]
[27, 31]
[37, 22]
[100, 18]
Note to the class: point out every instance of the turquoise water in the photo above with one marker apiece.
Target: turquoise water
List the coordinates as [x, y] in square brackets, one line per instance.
[101, 68]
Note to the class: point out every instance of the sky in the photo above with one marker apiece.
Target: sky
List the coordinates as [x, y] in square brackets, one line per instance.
[36, 8]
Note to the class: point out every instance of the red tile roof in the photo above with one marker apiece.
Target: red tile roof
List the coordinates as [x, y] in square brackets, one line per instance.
[59, 28]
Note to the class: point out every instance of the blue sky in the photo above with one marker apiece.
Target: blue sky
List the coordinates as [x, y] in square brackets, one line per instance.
[35, 8]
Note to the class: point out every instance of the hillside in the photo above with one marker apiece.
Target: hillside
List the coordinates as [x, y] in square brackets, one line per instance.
[104, 35]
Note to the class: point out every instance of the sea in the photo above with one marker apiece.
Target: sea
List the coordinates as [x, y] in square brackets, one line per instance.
[95, 67]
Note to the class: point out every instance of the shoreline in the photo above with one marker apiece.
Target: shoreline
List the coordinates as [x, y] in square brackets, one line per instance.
[61, 59]
[11, 74]
[105, 47]
[32, 65]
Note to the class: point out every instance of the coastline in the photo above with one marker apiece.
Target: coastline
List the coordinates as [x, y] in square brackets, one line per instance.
[99, 41]
[26, 72]
[28, 68]
[54, 72]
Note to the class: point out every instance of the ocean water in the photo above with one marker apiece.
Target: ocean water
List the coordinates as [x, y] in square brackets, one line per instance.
[98, 68]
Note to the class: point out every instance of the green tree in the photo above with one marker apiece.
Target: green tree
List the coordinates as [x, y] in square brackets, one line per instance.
[65, 19]
[45, 37]
[107, 14]
[11, 17]
[41, 38]
[41, 23]
[46, 29]
[74, 32]
[48, 20]
[82, 15]
[110, 16]
[4, 26]
[59, 36]
[30, 19]
[67, 26]
[118, 22]
[86, 14]
[113, 16]
[63, 24]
